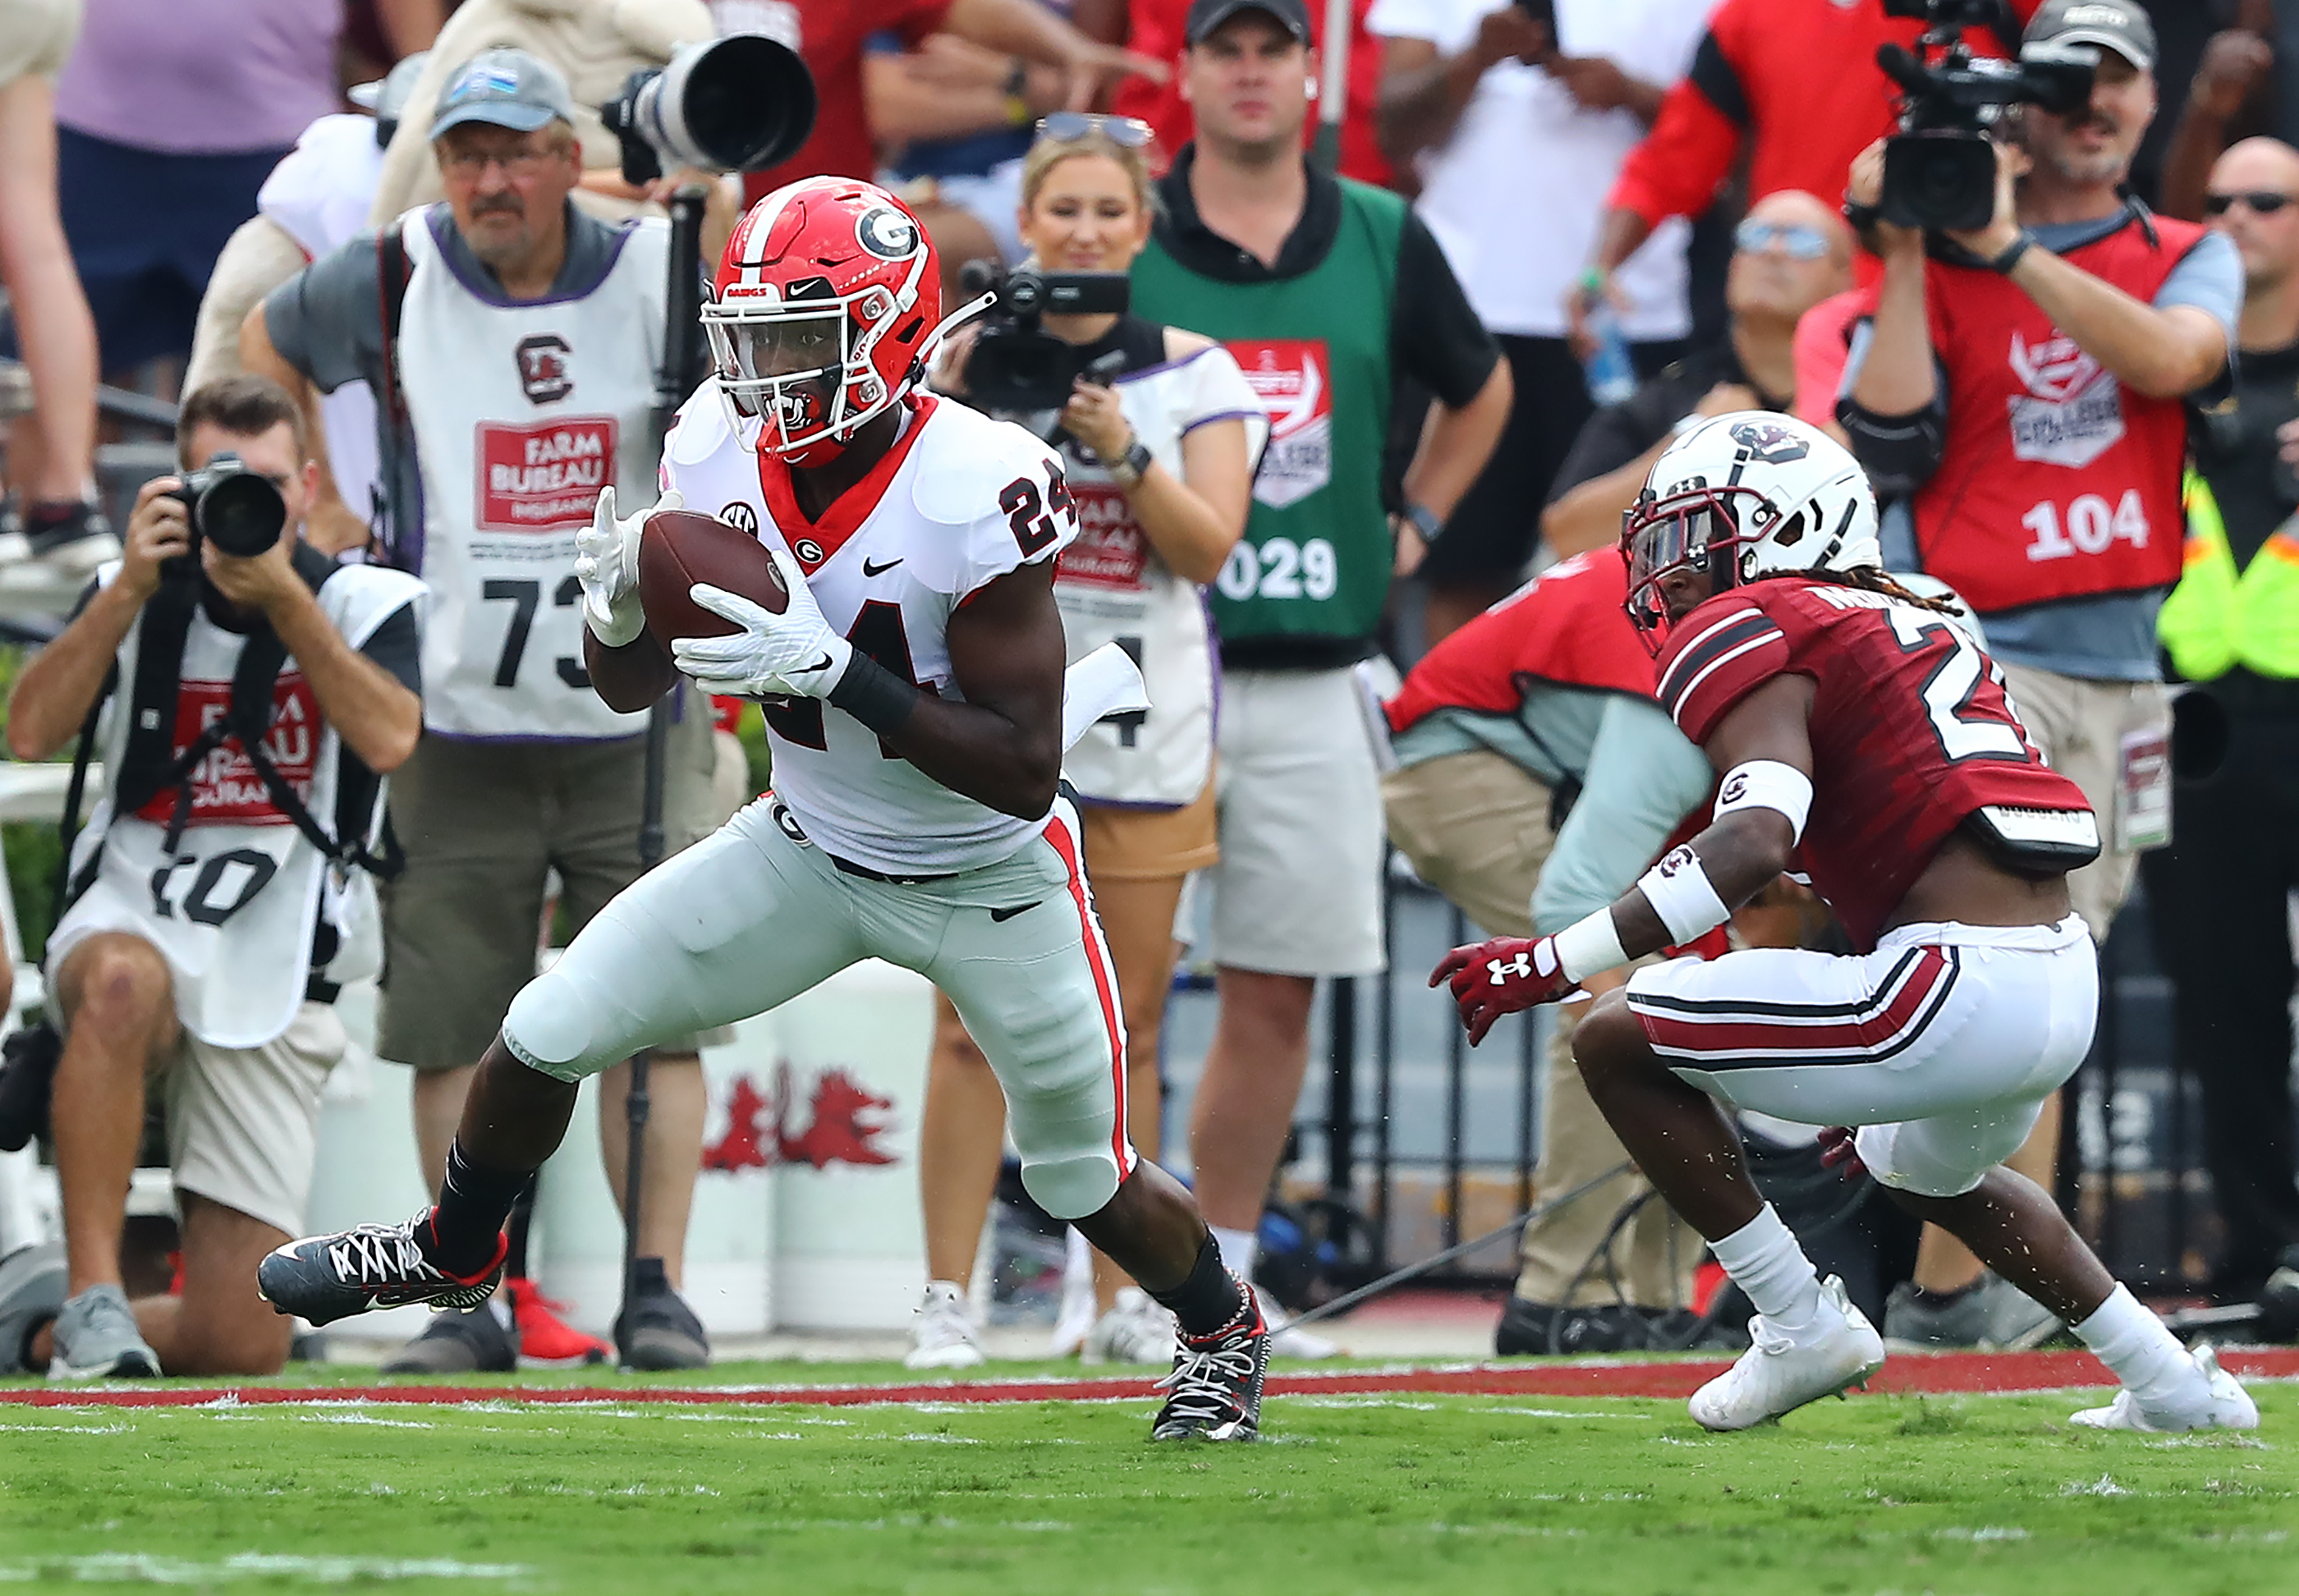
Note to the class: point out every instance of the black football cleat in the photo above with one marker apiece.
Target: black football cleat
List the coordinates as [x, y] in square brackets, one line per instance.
[325, 1278]
[1214, 1391]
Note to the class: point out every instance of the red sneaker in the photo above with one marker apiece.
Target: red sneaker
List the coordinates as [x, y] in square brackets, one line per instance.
[544, 1337]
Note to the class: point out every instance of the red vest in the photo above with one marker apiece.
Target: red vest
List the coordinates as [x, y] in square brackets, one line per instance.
[1569, 626]
[2055, 481]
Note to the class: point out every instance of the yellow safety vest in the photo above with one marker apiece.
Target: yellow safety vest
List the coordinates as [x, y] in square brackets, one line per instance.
[2217, 618]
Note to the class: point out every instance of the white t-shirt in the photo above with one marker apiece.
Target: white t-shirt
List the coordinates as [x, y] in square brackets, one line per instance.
[1515, 195]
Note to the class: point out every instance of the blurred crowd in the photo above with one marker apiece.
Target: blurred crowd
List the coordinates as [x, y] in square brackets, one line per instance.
[1561, 232]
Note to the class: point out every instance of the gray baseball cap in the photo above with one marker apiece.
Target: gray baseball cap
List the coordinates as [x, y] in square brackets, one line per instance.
[504, 89]
[2118, 25]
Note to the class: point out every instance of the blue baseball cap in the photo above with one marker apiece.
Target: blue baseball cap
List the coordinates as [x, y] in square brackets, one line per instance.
[504, 89]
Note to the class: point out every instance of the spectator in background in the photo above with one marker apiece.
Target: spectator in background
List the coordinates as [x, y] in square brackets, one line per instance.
[219, 897]
[1512, 137]
[1159, 29]
[51, 451]
[1790, 252]
[1537, 778]
[1323, 289]
[1791, 84]
[2227, 101]
[2025, 386]
[2219, 896]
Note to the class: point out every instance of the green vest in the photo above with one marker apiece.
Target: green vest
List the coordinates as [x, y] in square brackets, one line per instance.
[1314, 560]
[2216, 619]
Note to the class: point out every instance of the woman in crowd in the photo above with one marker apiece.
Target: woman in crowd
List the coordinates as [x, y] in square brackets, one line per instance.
[1159, 437]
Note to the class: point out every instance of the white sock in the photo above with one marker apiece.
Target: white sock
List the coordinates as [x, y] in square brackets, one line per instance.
[1238, 1248]
[1764, 1259]
[2127, 1337]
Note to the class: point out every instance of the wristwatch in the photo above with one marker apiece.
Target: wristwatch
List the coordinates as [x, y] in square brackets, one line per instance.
[1423, 519]
[2001, 264]
[1128, 468]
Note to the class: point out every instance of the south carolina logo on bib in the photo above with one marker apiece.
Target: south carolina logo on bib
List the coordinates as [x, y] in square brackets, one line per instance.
[1292, 379]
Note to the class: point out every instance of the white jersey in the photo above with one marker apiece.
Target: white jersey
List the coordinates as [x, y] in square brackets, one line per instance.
[319, 195]
[959, 501]
[522, 410]
[1113, 587]
[234, 908]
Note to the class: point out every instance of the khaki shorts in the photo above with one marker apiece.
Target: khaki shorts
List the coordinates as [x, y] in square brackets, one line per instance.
[484, 824]
[1297, 890]
[243, 1122]
[2080, 726]
[1149, 844]
[36, 36]
[1475, 827]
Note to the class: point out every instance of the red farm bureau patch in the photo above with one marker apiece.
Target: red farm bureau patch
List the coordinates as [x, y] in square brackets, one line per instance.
[225, 787]
[545, 476]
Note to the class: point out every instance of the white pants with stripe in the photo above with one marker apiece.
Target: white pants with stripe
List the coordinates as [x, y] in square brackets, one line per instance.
[756, 914]
[1941, 1045]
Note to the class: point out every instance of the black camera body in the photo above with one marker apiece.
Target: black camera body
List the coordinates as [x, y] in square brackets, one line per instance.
[1939, 169]
[231, 505]
[1016, 364]
[739, 104]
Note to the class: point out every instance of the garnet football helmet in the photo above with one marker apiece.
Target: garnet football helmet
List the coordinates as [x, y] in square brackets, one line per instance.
[825, 309]
[1743, 495]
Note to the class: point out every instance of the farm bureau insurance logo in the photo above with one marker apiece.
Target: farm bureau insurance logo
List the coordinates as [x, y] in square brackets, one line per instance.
[2072, 411]
[1293, 378]
[225, 786]
[545, 476]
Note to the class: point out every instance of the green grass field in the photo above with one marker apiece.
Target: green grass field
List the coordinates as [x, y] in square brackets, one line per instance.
[1962, 1496]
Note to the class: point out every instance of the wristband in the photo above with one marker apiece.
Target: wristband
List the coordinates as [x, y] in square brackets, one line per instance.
[1767, 783]
[1590, 946]
[1682, 894]
[1592, 281]
[1423, 520]
[873, 694]
[2001, 264]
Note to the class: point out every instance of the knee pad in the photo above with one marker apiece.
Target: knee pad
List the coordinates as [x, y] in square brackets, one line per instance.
[1071, 1188]
[1898, 1158]
[549, 1028]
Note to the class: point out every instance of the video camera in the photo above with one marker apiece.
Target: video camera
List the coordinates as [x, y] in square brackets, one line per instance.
[231, 506]
[1939, 169]
[1016, 364]
[739, 104]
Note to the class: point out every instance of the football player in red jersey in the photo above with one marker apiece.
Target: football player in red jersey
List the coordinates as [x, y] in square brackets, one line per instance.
[1864, 738]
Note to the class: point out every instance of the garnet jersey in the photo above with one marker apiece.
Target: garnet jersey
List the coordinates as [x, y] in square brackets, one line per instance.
[1911, 729]
[959, 501]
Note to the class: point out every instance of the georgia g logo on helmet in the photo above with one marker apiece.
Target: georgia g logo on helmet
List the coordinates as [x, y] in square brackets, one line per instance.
[887, 234]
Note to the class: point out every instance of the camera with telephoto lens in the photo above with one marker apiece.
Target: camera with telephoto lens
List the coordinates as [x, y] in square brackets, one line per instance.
[739, 104]
[1016, 364]
[231, 505]
[1939, 168]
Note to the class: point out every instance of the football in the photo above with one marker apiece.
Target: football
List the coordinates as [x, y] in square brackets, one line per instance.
[678, 548]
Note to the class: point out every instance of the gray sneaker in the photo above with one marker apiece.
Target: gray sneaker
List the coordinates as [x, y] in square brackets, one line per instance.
[96, 1339]
[31, 1292]
[1994, 1316]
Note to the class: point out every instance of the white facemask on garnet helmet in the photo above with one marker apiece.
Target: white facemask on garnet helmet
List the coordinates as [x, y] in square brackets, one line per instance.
[1744, 496]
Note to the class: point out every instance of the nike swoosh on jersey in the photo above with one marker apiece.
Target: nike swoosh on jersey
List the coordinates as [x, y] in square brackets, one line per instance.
[1002, 915]
[869, 570]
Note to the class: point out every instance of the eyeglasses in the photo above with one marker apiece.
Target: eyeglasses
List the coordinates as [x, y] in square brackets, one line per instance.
[1801, 242]
[522, 163]
[1067, 127]
[2263, 202]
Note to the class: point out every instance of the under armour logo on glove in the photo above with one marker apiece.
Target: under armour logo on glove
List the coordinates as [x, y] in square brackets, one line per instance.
[1501, 976]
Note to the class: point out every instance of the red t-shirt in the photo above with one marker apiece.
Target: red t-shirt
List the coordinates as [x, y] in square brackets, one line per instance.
[830, 40]
[1911, 727]
[1154, 27]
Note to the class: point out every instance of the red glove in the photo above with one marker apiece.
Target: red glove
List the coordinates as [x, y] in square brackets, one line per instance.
[1838, 1152]
[1501, 976]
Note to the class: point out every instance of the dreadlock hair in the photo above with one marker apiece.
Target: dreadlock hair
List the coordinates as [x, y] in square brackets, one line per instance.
[1871, 578]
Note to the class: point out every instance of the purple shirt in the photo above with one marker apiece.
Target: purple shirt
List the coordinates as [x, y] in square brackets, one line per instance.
[202, 76]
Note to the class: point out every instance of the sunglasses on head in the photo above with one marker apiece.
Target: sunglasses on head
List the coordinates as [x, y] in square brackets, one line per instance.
[2263, 202]
[1067, 127]
[1802, 243]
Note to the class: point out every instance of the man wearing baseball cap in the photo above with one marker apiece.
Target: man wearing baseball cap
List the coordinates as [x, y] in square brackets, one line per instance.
[2026, 387]
[514, 382]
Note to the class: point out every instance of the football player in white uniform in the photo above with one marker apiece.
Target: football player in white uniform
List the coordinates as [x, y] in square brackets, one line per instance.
[914, 683]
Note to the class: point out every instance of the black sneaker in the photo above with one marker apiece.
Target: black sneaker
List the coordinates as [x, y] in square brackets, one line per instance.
[657, 1330]
[329, 1278]
[1543, 1330]
[1214, 1391]
[459, 1341]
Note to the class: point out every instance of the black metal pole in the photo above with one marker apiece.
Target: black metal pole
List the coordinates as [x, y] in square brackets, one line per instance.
[1341, 1095]
[675, 379]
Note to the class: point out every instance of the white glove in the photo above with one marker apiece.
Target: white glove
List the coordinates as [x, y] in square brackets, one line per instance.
[606, 564]
[794, 654]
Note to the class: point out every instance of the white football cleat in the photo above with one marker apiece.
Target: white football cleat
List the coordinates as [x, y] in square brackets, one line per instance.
[1136, 1330]
[945, 1336]
[1782, 1371]
[2223, 1404]
[1288, 1339]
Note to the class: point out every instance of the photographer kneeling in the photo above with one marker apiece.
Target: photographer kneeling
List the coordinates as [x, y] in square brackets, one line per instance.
[251, 703]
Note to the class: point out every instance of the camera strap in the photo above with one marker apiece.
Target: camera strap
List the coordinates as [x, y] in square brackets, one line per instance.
[391, 304]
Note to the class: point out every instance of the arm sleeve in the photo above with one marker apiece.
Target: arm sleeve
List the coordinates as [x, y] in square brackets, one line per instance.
[1695, 139]
[326, 320]
[1644, 779]
[1899, 452]
[1435, 335]
[1721, 653]
[397, 646]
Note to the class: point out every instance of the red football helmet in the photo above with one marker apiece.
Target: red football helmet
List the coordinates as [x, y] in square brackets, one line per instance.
[825, 309]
